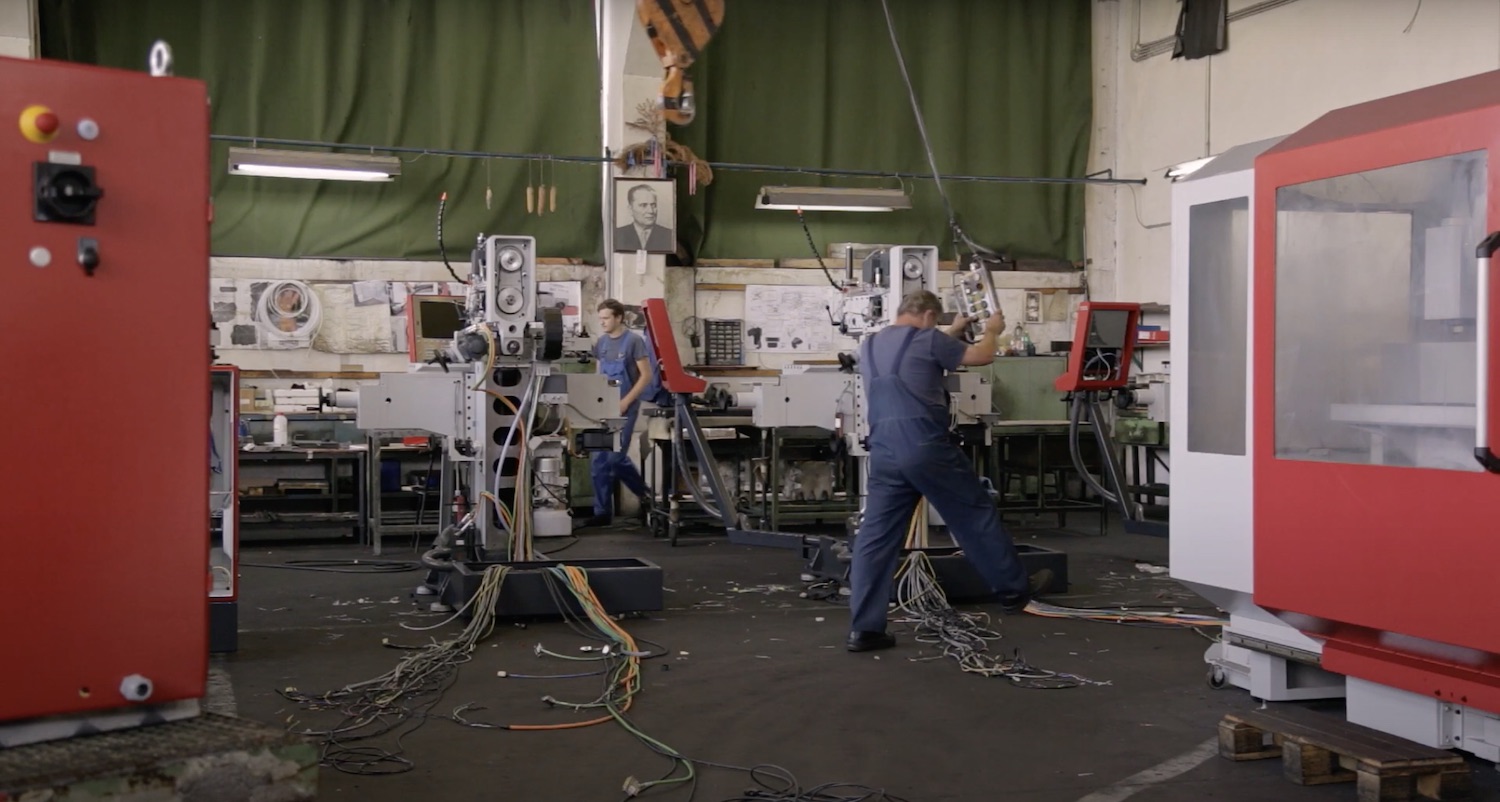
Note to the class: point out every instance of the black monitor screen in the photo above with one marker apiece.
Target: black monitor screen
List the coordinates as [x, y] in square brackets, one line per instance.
[1108, 328]
[438, 320]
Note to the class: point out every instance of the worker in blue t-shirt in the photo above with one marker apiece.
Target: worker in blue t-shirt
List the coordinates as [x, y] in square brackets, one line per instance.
[912, 456]
[621, 355]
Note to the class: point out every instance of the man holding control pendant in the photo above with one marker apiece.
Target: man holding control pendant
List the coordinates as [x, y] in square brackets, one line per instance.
[912, 456]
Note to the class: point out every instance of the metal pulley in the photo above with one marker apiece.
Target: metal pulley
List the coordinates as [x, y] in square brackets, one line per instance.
[552, 333]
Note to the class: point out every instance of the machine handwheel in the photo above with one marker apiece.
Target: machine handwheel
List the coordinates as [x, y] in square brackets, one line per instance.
[1216, 678]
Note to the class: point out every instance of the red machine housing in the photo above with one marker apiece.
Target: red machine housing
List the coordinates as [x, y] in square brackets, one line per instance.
[1103, 345]
[104, 314]
[1391, 565]
[664, 343]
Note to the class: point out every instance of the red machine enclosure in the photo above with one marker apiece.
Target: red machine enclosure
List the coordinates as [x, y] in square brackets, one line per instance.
[664, 343]
[1080, 375]
[1392, 565]
[103, 557]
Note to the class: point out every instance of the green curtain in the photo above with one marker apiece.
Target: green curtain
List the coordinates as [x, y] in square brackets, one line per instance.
[517, 76]
[1005, 87]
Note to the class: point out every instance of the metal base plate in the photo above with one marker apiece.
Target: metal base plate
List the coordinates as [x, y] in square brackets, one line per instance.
[57, 728]
[961, 582]
[957, 576]
[206, 757]
[624, 585]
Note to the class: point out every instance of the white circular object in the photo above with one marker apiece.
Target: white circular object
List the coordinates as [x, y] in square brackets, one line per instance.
[40, 257]
[510, 258]
[911, 267]
[88, 129]
[136, 688]
[288, 314]
[509, 300]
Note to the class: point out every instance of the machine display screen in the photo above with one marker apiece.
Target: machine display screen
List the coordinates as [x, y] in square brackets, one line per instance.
[438, 320]
[1108, 328]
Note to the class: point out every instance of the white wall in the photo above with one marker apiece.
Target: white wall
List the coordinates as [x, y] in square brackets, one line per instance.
[315, 270]
[18, 28]
[730, 304]
[1284, 67]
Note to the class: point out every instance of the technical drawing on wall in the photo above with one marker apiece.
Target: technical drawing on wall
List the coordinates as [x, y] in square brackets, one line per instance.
[789, 318]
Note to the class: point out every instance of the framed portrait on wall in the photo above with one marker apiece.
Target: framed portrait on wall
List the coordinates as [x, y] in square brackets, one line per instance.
[1033, 307]
[645, 215]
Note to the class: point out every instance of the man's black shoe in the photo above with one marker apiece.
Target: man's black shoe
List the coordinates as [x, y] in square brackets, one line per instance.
[1034, 586]
[870, 641]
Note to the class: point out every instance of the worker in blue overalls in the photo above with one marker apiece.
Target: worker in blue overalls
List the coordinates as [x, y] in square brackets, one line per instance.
[622, 356]
[912, 455]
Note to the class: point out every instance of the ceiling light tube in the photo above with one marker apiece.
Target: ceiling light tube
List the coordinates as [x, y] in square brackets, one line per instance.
[314, 165]
[1178, 171]
[832, 199]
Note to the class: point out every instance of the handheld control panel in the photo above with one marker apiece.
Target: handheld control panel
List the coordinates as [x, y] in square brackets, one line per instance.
[974, 296]
[1103, 344]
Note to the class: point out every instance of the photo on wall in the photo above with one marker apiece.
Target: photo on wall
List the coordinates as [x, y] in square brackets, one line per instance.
[645, 216]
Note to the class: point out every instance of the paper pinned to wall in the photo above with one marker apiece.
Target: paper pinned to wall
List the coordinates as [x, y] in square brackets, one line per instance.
[350, 327]
[789, 318]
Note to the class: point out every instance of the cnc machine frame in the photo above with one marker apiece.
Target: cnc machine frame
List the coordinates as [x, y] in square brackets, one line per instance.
[1212, 542]
[104, 309]
[1389, 564]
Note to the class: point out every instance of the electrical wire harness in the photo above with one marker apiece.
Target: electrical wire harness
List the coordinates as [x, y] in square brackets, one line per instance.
[964, 637]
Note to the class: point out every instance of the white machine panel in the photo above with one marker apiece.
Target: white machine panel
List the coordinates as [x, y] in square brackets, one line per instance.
[971, 396]
[802, 399]
[431, 401]
[1212, 544]
[510, 290]
[1212, 540]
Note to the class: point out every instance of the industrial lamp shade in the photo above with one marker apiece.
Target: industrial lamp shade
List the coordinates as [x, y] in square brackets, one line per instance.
[832, 199]
[310, 164]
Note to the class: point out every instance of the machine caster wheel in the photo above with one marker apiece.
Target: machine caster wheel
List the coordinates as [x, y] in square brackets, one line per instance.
[658, 525]
[1216, 678]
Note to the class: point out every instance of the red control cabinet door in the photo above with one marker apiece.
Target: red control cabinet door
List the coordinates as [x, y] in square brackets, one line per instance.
[104, 354]
[1374, 521]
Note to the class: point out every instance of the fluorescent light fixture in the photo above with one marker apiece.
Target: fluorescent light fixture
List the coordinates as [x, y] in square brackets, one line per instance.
[832, 199]
[1180, 171]
[310, 164]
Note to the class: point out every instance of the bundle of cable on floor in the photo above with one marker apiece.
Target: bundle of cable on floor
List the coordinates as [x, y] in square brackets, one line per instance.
[379, 706]
[964, 637]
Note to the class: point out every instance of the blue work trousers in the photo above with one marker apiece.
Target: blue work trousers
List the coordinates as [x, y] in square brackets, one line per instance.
[611, 466]
[925, 466]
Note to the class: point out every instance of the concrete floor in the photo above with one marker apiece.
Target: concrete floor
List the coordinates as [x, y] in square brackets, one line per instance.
[761, 677]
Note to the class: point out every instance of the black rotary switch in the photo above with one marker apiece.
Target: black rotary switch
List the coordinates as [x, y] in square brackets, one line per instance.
[65, 193]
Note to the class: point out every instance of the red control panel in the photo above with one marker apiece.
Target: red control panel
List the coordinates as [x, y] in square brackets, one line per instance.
[1103, 344]
[104, 318]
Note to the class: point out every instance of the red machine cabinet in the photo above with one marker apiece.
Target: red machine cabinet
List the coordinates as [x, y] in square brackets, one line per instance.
[1374, 522]
[1103, 345]
[104, 313]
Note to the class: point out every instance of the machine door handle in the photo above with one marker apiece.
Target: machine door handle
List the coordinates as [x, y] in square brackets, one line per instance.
[1482, 452]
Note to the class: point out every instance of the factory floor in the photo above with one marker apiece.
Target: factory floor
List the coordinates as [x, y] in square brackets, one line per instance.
[755, 674]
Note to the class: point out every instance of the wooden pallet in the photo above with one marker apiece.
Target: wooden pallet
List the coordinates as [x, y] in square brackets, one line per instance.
[1318, 748]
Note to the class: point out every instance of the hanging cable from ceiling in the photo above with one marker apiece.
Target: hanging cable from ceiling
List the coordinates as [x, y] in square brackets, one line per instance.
[976, 250]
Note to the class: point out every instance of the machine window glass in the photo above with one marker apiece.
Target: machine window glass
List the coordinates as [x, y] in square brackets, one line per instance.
[1218, 272]
[1375, 303]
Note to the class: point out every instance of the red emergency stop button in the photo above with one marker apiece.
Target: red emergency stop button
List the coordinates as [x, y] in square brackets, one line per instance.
[39, 124]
